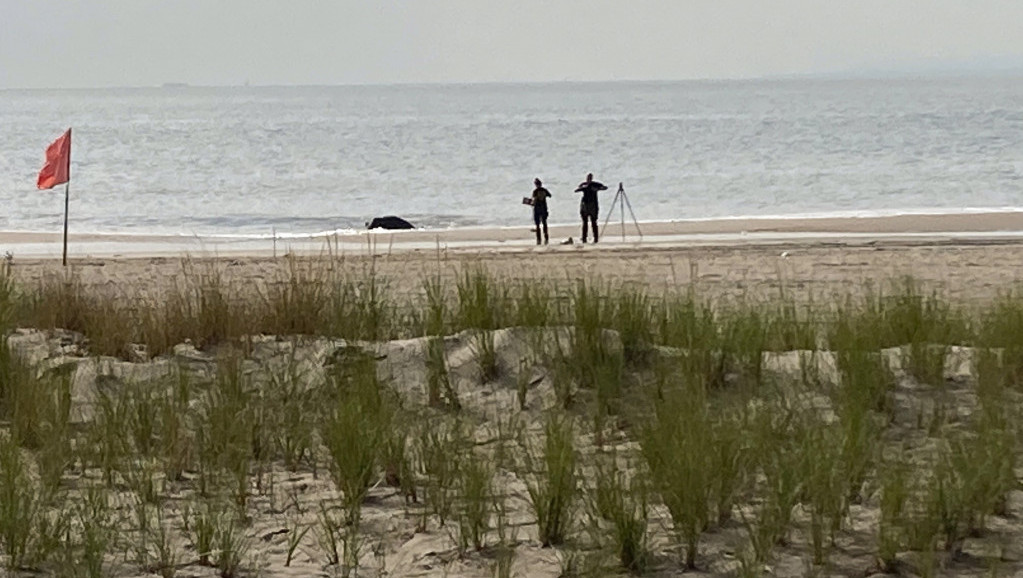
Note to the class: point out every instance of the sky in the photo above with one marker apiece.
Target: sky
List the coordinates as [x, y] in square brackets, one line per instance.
[102, 43]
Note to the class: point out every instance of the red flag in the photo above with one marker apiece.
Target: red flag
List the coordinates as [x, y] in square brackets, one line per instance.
[57, 169]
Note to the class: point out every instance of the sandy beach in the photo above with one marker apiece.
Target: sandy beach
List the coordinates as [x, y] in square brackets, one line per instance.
[1006, 225]
[971, 257]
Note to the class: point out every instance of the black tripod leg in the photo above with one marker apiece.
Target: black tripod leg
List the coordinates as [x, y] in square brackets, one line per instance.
[612, 210]
[634, 221]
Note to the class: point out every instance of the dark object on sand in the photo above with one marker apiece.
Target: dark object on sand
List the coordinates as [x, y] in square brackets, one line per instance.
[390, 222]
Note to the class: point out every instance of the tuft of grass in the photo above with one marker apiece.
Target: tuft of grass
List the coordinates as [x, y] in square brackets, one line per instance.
[339, 538]
[440, 448]
[731, 457]
[357, 428]
[330, 525]
[534, 304]
[20, 505]
[475, 503]
[224, 428]
[96, 525]
[439, 390]
[54, 455]
[551, 480]
[674, 444]
[290, 397]
[895, 494]
[295, 305]
[482, 300]
[926, 324]
[780, 431]
[618, 506]
[436, 319]
[8, 298]
[742, 342]
[201, 306]
[215, 314]
[399, 470]
[1000, 326]
[156, 545]
[791, 325]
[997, 431]
[219, 537]
[593, 361]
[864, 391]
[230, 544]
[37, 409]
[632, 316]
[486, 355]
[824, 487]
[504, 557]
[685, 322]
[203, 529]
[64, 302]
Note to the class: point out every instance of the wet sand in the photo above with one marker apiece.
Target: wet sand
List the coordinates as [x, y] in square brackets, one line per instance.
[931, 227]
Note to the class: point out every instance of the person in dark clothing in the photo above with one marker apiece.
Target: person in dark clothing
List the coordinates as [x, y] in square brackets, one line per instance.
[589, 208]
[539, 202]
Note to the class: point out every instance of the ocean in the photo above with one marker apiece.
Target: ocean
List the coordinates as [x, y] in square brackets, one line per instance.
[296, 161]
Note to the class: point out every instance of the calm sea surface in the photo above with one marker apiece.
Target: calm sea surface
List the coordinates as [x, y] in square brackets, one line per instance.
[303, 160]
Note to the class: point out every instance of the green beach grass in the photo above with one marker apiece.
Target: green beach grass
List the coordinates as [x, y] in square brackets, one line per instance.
[664, 430]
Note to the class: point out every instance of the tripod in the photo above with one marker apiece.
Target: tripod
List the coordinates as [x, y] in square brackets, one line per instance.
[622, 200]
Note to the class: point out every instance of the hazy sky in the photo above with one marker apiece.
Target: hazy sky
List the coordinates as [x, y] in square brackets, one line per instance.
[76, 43]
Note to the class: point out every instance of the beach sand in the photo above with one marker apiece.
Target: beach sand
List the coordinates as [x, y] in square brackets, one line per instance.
[967, 256]
[737, 231]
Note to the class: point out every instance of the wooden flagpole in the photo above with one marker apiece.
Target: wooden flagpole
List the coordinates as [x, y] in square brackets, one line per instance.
[67, 194]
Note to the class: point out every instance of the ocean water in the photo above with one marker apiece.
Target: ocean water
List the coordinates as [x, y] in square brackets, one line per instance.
[304, 160]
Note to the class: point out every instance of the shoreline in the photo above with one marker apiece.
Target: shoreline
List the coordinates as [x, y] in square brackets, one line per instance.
[1000, 225]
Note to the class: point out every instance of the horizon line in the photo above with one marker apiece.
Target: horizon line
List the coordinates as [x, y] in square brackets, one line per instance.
[866, 74]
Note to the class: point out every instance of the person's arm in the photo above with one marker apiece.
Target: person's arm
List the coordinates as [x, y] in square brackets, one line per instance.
[549, 195]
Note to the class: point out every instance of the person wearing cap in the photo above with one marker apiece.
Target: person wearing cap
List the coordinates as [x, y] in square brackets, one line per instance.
[589, 208]
[539, 202]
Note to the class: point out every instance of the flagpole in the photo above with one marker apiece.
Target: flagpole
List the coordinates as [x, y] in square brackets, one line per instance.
[67, 185]
[67, 195]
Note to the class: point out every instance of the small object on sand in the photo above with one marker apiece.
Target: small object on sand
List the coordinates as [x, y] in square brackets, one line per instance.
[271, 535]
[784, 254]
[567, 241]
[389, 222]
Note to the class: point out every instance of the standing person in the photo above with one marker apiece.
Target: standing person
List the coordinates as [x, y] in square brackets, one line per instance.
[539, 202]
[589, 207]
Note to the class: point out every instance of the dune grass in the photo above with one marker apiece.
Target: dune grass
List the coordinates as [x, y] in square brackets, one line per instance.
[618, 509]
[683, 390]
[356, 431]
[551, 480]
[674, 444]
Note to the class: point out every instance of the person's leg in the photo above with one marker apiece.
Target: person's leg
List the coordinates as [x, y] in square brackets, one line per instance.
[546, 236]
[537, 218]
[593, 217]
[585, 225]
